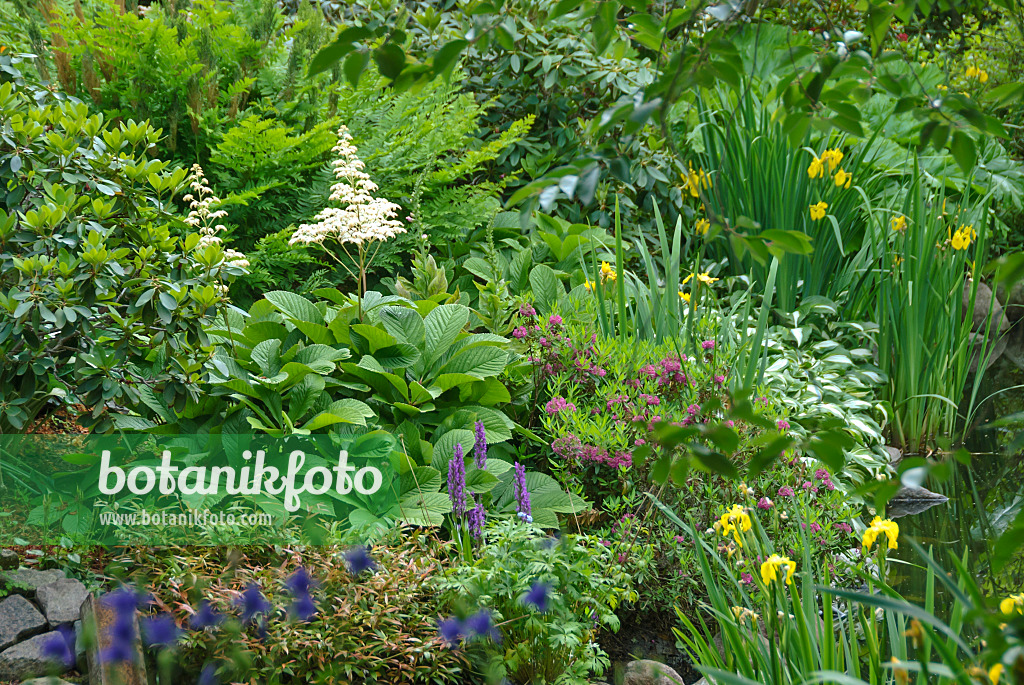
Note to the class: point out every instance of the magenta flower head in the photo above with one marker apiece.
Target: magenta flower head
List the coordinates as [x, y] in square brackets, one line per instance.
[526, 309]
[555, 320]
[786, 491]
[719, 379]
[843, 526]
[557, 404]
[815, 528]
[520, 332]
[521, 493]
[764, 503]
[822, 474]
[708, 345]
[746, 578]
[457, 482]
[783, 424]
[480, 446]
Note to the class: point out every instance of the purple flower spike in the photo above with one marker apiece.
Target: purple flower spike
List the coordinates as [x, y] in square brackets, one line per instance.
[359, 560]
[299, 585]
[522, 495]
[125, 601]
[477, 519]
[205, 617]
[253, 602]
[122, 637]
[480, 447]
[457, 482]
[451, 631]
[61, 647]
[160, 630]
[480, 625]
[208, 676]
[537, 597]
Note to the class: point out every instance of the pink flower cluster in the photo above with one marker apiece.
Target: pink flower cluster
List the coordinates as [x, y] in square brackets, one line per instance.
[557, 404]
[571, 448]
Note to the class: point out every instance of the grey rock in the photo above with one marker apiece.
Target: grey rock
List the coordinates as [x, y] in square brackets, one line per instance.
[62, 601]
[704, 681]
[983, 299]
[910, 501]
[1014, 305]
[647, 672]
[18, 620]
[27, 580]
[26, 660]
[8, 559]
[895, 454]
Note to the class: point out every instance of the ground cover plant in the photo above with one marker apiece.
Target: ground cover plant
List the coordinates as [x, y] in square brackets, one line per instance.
[512, 342]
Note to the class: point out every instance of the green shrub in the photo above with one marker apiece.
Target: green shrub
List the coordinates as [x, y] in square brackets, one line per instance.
[372, 628]
[105, 294]
[557, 642]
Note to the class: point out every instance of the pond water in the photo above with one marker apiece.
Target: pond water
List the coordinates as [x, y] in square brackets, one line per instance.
[984, 496]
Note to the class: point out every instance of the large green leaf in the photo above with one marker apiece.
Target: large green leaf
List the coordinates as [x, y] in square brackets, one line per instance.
[404, 324]
[422, 508]
[295, 306]
[266, 356]
[444, 447]
[477, 361]
[341, 411]
[547, 289]
[442, 326]
[478, 481]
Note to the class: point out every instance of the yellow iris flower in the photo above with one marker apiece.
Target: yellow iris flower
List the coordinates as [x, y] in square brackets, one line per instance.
[735, 521]
[961, 240]
[770, 569]
[608, 272]
[833, 158]
[702, 227]
[684, 296]
[995, 673]
[818, 211]
[589, 285]
[879, 526]
[898, 223]
[816, 169]
[706, 278]
[694, 181]
[980, 74]
[843, 179]
[1012, 603]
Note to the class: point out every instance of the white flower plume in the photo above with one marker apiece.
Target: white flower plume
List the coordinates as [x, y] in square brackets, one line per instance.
[363, 217]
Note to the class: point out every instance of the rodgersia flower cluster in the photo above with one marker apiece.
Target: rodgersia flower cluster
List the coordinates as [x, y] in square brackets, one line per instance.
[363, 217]
[203, 216]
